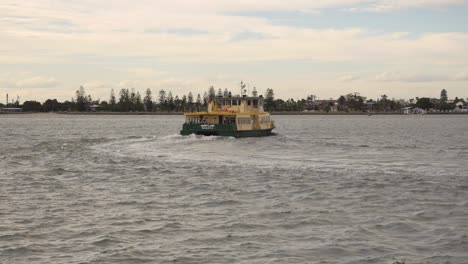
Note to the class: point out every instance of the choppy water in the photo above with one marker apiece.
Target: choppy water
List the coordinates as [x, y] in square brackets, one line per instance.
[326, 189]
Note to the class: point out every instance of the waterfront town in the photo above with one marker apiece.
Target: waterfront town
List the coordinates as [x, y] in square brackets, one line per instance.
[129, 100]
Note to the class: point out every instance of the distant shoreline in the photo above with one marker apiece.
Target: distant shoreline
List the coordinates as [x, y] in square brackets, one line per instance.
[272, 113]
[360, 113]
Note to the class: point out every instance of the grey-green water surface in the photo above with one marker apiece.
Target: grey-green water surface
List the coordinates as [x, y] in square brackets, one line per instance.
[325, 189]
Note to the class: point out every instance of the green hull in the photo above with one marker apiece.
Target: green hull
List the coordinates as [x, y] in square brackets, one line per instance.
[222, 130]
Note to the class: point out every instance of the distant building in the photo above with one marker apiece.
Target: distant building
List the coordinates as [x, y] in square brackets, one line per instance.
[11, 109]
[407, 110]
[418, 111]
[371, 105]
[413, 111]
[95, 108]
[465, 107]
[459, 106]
[322, 105]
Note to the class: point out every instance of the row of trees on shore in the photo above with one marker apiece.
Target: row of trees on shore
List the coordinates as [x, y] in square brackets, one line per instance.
[129, 100]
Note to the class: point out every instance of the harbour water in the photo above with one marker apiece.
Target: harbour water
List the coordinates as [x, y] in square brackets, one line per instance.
[325, 189]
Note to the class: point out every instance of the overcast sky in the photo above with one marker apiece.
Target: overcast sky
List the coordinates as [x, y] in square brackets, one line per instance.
[402, 48]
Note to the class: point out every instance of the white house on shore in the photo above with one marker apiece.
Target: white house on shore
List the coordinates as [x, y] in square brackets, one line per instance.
[459, 106]
[94, 108]
[413, 111]
[407, 110]
[465, 107]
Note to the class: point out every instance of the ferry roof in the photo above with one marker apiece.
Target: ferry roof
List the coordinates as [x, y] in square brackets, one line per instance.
[222, 113]
[211, 113]
[241, 97]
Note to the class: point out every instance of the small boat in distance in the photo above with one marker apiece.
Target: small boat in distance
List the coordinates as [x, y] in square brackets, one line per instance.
[232, 116]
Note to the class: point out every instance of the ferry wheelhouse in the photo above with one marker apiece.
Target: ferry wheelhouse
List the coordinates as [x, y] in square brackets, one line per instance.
[233, 116]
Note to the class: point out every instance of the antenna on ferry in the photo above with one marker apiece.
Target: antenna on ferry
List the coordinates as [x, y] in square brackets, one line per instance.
[243, 88]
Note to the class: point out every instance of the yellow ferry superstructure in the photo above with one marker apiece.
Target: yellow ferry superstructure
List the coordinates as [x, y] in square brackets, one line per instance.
[236, 116]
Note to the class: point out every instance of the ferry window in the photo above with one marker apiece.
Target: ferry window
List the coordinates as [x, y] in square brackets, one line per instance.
[234, 102]
[243, 120]
[193, 120]
[255, 103]
[249, 102]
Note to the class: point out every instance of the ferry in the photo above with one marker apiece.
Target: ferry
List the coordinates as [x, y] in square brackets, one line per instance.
[232, 116]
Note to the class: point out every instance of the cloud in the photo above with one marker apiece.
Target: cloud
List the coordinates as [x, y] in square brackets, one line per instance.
[248, 35]
[201, 31]
[37, 82]
[109, 41]
[169, 83]
[348, 78]
[30, 82]
[144, 72]
[176, 31]
[95, 85]
[404, 77]
[394, 5]
[461, 76]
[418, 77]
